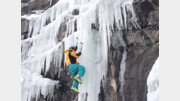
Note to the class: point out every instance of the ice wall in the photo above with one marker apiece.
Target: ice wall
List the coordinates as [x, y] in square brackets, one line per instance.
[153, 83]
[93, 26]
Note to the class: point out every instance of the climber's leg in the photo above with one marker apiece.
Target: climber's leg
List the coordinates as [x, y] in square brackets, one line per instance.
[73, 69]
[81, 72]
[79, 69]
[75, 85]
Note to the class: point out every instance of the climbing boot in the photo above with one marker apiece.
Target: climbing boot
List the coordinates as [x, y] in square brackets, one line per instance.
[78, 79]
[74, 89]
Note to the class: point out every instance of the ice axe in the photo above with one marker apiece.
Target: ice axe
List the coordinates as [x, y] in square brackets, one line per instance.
[80, 43]
[81, 46]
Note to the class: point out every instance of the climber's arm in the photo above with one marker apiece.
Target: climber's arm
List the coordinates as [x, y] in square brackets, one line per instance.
[78, 54]
[73, 53]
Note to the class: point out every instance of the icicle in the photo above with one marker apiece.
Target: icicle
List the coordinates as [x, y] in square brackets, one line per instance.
[153, 83]
[122, 67]
[34, 84]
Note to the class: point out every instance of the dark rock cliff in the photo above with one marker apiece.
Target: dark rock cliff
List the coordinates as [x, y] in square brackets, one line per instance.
[142, 52]
[27, 6]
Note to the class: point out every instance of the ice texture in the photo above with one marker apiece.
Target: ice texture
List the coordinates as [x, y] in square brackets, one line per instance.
[34, 84]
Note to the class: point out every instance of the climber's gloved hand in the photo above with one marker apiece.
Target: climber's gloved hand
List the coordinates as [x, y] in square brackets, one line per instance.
[78, 54]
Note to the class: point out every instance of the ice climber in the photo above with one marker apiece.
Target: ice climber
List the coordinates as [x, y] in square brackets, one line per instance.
[74, 68]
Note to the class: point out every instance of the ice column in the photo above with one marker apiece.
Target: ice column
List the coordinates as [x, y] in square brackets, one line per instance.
[153, 83]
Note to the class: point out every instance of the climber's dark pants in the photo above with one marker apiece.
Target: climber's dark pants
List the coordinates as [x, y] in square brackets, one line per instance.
[76, 69]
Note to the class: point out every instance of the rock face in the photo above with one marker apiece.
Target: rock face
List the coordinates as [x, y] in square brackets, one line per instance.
[24, 28]
[29, 5]
[142, 47]
[142, 52]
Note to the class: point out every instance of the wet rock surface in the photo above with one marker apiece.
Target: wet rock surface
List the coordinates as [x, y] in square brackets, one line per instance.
[142, 52]
[24, 28]
[29, 5]
[139, 63]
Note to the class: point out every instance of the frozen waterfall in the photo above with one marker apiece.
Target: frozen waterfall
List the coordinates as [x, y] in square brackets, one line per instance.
[153, 83]
[54, 30]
